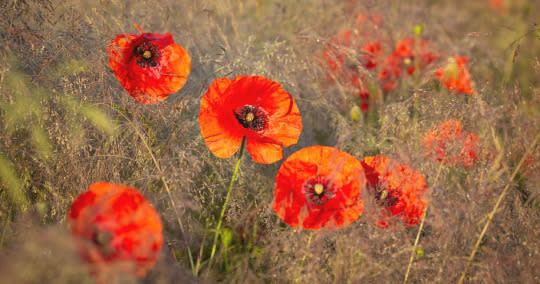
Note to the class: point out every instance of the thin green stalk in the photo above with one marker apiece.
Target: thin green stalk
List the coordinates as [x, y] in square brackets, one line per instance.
[495, 209]
[218, 228]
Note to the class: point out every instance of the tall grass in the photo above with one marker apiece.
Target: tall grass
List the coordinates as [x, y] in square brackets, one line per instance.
[67, 123]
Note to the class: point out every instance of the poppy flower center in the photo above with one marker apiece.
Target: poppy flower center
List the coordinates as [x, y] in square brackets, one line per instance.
[385, 197]
[252, 117]
[319, 189]
[147, 54]
[103, 240]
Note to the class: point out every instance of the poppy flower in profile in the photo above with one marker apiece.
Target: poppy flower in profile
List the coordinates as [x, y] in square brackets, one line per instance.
[455, 76]
[398, 189]
[449, 144]
[253, 107]
[319, 187]
[149, 66]
[115, 228]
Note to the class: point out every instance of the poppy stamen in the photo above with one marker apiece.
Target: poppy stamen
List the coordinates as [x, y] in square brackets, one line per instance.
[147, 54]
[252, 117]
[386, 198]
[319, 189]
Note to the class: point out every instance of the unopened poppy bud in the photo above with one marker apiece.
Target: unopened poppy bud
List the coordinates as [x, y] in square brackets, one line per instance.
[355, 113]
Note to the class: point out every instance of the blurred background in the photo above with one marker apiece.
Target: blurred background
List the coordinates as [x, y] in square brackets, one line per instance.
[66, 123]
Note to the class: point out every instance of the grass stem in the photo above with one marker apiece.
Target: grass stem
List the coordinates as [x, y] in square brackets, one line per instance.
[420, 230]
[495, 208]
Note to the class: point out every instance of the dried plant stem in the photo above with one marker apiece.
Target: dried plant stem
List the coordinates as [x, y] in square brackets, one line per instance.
[307, 247]
[420, 230]
[156, 164]
[220, 221]
[414, 247]
[495, 208]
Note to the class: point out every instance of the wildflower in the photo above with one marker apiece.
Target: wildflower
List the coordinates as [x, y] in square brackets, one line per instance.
[455, 76]
[402, 61]
[253, 107]
[319, 187]
[373, 53]
[149, 66]
[499, 5]
[397, 188]
[115, 227]
[449, 144]
[338, 52]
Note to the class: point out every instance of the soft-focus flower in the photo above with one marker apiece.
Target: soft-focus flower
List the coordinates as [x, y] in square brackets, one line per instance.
[402, 61]
[498, 5]
[449, 144]
[115, 229]
[397, 188]
[346, 51]
[364, 101]
[319, 187]
[344, 55]
[253, 107]
[373, 53]
[339, 53]
[149, 66]
[455, 76]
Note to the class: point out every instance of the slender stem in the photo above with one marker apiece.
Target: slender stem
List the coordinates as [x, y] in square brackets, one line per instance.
[414, 247]
[307, 247]
[156, 164]
[220, 221]
[495, 208]
[420, 230]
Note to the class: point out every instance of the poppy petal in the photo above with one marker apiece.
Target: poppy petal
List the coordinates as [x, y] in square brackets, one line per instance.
[114, 225]
[263, 152]
[151, 78]
[253, 107]
[319, 187]
[215, 130]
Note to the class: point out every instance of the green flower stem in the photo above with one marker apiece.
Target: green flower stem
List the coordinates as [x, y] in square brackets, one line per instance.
[218, 228]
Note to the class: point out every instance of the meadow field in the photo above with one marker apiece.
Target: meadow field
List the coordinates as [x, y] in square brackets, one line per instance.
[448, 91]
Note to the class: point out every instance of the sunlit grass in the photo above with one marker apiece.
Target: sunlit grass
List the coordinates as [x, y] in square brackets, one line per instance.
[67, 123]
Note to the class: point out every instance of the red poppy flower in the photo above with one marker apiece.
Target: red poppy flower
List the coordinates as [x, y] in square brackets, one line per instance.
[115, 227]
[319, 187]
[398, 188]
[345, 49]
[338, 52]
[149, 66]
[402, 61]
[449, 144]
[373, 52]
[499, 6]
[364, 101]
[253, 107]
[455, 76]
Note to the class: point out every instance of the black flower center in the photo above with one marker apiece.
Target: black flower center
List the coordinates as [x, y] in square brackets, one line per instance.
[252, 117]
[147, 54]
[319, 189]
[385, 197]
[102, 239]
